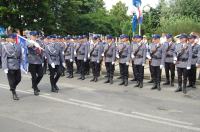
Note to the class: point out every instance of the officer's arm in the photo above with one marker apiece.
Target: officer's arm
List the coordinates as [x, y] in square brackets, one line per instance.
[61, 53]
[114, 53]
[86, 51]
[190, 57]
[144, 55]
[163, 55]
[99, 52]
[72, 51]
[129, 53]
[4, 58]
[47, 53]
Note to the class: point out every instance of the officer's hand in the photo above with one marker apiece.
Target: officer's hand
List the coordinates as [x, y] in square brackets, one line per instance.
[127, 63]
[53, 65]
[42, 64]
[85, 59]
[71, 60]
[161, 67]
[6, 71]
[174, 62]
[188, 68]
[64, 65]
[98, 61]
[74, 52]
[149, 57]
[113, 63]
[88, 55]
[117, 56]
[143, 64]
[102, 54]
[132, 56]
[175, 59]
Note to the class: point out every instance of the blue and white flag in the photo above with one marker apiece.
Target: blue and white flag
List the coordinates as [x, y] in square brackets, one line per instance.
[134, 23]
[23, 44]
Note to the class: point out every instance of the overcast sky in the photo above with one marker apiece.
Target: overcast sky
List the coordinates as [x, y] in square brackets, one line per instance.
[110, 3]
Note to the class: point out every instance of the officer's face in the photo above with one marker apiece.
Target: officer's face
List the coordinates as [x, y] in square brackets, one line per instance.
[33, 37]
[109, 40]
[138, 40]
[156, 41]
[191, 40]
[169, 39]
[183, 40]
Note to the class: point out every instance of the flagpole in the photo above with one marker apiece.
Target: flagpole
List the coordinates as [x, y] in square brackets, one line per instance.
[139, 29]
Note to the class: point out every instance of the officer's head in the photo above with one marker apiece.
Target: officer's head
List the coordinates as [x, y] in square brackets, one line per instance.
[109, 38]
[169, 37]
[124, 38]
[12, 38]
[96, 38]
[52, 38]
[85, 38]
[80, 39]
[155, 38]
[33, 35]
[138, 38]
[191, 38]
[183, 38]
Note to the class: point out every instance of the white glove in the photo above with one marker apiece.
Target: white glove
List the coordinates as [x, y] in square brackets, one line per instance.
[161, 67]
[117, 56]
[113, 63]
[132, 56]
[42, 64]
[71, 60]
[127, 63]
[74, 52]
[98, 61]
[102, 54]
[5, 71]
[149, 57]
[64, 65]
[188, 68]
[88, 55]
[175, 59]
[85, 60]
[143, 64]
[53, 65]
[174, 62]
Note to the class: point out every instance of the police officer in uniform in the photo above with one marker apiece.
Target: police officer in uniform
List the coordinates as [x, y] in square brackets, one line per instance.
[169, 47]
[82, 56]
[95, 54]
[193, 71]
[2, 41]
[182, 58]
[11, 59]
[36, 60]
[139, 57]
[133, 43]
[109, 58]
[157, 53]
[124, 58]
[69, 56]
[55, 58]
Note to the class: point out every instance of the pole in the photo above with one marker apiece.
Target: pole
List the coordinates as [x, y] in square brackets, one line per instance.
[139, 29]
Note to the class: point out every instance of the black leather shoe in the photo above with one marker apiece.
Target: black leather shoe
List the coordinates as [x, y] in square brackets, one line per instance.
[141, 85]
[179, 89]
[166, 83]
[107, 81]
[53, 90]
[172, 84]
[96, 79]
[119, 77]
[133, 80]
[184, 90]
[82, 78]
[15, 97]
[151, 81]
[36, 93]
[69, 76]
[126, 83]
[137, 85]
[111, 81]
[190, 85]
[92, 80]
[122, 83]
[56, 87]
[154, 87]
[158, 87]
[194, 86]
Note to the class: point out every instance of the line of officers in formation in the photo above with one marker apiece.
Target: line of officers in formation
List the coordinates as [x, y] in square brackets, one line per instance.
[59, 53]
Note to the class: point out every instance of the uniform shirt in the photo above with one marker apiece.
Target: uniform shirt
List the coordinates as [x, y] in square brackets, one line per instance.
[11, 56]
[54, 53]
[69, 51]
[124, 53]
[158, 57]
[184, 60]
[96, 52]
[34, 55]
[110, 52]
[82, 51]
[139, 52]
[169, 48]
[195, 50]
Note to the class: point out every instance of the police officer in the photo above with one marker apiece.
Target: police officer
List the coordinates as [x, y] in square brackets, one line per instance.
[69, 56]
[133, 43]
[124, 58]
[169, 48]
[87, 64]
[95, 54]
[11, 59]
[139, 57]
[109, 57]
[36, 60]
[82, 55]
[157, 53]
[193, 71]
[2, 42]
[182, 58]
[55, 58]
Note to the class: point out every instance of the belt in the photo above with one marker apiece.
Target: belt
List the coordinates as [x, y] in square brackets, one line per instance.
[183, 59]
[156, 57]
[94, 55]
[12, 57]
[109, 56]
[123, 56]
[194, 57]
[139, 56]
[169, 56]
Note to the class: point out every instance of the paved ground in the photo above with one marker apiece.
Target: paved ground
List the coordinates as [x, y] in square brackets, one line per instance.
[82, 106]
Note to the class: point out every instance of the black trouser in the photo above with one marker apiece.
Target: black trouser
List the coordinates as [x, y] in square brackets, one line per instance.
[124, 71]
[120, 70]
[139, 72]
[182, 76]
[156, 72]
[14, 78]
[70, 68]
[77, 64]
[55, 74]
[170, 67]
[87, 66]
[82, 67]
[95, 69]
[110, 69]
[45, 66]
[133, 68]
[192, 74]
[0, 63]
[150, 69]
[36, 71]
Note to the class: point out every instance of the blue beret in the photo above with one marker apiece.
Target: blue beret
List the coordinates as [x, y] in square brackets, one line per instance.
[80, 37]
[192, 36]
[183, 36]
[169, 36]
[13, 35]
[96, 37]
[68, 37]
[123, 36]
[34, 33]
[138, 36]
[84, 36]
[156, 36]
[59, 37]
[109, 37]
